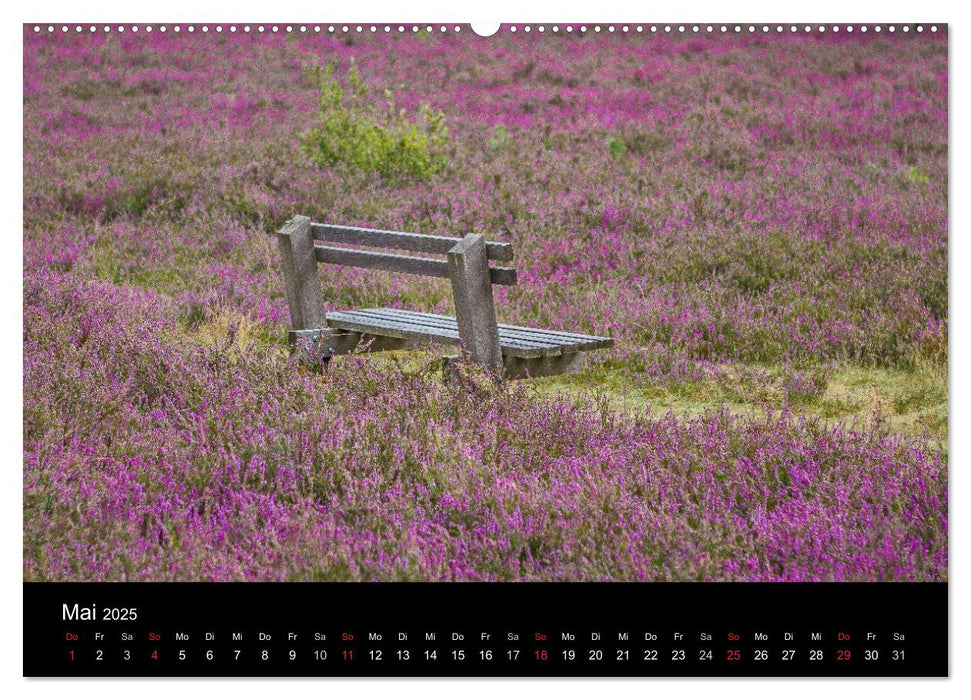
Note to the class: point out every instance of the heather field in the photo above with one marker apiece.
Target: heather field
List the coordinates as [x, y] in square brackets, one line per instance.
[759, 222]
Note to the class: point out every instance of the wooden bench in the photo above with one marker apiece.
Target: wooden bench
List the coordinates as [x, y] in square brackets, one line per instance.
[513, 351]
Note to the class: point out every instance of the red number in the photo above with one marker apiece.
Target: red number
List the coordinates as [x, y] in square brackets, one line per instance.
[541, 655]
[155, 654]
[348, 654]
[734, 655]
[71, 652]
[842, 654]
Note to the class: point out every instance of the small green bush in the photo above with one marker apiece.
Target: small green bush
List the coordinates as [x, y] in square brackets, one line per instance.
[351, 130]
[500, 138]
[616, 147]
[916, 175]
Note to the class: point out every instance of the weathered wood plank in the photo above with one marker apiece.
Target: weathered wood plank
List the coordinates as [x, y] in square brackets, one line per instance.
[534, 338]
[450, 323]
[426, 333]
[304, 294]
[505, 276]
[414, 242]
[540, 334]
[599, 340]
[406, 264]
[468, 268]
[422, 314]
[386, 262]
[418, 333]
[451, 331]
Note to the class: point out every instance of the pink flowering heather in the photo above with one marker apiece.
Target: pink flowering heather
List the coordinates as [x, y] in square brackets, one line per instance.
[717, 204]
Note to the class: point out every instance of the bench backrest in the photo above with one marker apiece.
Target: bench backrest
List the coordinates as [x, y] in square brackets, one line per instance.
[304, 244]
[412, 242]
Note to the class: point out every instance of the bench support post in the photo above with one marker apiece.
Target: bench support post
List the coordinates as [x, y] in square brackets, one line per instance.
[468, 267]
[304, 295]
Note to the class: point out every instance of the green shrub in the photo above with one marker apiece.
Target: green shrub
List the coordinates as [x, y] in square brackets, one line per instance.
[500, 138]
[616, 147]
[917, 176]
[351, 130]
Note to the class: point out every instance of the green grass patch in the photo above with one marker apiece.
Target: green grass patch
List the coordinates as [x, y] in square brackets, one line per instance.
[909, 402]
[912, 403]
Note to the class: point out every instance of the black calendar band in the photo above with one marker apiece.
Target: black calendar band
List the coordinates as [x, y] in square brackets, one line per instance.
[486, 629]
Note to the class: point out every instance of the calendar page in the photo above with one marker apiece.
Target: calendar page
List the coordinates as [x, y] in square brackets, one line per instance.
[517, 349]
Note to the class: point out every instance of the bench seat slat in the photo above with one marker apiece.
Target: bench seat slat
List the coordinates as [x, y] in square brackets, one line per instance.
[534, 335]
[414, 242]
[574, 337]
[515, 341]
[423, 333]
[448, 324]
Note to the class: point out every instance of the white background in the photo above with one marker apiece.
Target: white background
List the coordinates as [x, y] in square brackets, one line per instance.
[600, 11]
